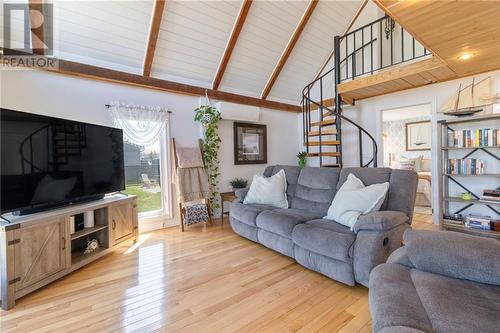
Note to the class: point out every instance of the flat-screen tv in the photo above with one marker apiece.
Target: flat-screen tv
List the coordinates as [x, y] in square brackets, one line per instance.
[47, 162]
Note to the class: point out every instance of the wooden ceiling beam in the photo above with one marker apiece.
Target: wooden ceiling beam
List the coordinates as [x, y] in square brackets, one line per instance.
[233, 38]
[36, 26]
[289, 47]
[109, 75]
[154, 31]
[349, 26]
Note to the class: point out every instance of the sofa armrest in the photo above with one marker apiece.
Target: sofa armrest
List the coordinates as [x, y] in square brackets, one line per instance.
[380, 221]
[454, 254]
[400, 256]
[241, 193]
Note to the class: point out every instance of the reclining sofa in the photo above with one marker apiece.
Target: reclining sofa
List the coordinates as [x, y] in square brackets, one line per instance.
[323, 245]
[440, 281]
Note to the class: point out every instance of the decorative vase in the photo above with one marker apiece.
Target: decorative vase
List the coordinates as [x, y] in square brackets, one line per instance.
[302, 162]
[88, 219]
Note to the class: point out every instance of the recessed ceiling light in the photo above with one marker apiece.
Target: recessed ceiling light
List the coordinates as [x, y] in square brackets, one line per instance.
[465, 56]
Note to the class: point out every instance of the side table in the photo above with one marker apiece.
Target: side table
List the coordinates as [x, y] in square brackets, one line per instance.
[225, 196]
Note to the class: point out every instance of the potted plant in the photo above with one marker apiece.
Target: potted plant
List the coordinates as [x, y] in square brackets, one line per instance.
[237, 183]
[302, 156]
[209, 117]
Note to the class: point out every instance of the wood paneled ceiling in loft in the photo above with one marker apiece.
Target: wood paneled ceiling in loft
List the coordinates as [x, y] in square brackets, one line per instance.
[452, 29]
[258, 50]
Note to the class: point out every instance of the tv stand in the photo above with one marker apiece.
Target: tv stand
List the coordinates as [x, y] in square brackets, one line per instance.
[39, 248]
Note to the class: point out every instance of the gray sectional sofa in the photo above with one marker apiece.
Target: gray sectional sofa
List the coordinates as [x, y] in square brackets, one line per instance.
[323, 245]
[440, 281]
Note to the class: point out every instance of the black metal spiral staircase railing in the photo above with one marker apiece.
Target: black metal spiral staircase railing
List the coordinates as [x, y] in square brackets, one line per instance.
[370, 48]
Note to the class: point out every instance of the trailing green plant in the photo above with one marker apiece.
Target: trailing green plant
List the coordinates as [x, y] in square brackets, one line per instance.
[302, 156]
[209, 117]
[238, 183]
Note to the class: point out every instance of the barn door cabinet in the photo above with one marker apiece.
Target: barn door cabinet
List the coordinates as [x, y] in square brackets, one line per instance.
[39, 248]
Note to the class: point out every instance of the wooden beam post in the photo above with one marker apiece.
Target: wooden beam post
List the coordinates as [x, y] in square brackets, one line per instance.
[154, 30]
[289, 47]
[235, 33]
[36, 26]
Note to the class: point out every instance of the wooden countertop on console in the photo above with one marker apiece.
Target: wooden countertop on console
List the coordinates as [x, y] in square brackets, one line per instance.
[16, 221]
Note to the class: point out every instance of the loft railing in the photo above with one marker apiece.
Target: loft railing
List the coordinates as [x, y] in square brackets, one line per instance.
[378, 45]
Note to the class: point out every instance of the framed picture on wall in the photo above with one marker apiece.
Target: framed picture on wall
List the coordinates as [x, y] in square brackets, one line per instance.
[418, 135]
[250, 143]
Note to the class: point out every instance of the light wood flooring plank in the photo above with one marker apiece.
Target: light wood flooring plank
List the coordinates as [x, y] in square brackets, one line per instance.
[207, 279]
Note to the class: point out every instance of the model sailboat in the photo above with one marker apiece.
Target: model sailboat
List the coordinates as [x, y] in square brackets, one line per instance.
[470, 99]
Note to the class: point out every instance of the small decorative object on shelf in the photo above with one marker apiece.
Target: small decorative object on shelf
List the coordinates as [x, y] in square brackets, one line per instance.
[466, 196]
[88, 219]
[237, 183]
[92, 246]
[302, 156]
[469, 99]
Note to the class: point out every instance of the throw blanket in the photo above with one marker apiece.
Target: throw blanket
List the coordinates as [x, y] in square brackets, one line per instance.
[189, 157]
[192, 184]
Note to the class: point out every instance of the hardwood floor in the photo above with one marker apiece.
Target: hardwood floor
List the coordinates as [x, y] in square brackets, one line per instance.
[203, 280]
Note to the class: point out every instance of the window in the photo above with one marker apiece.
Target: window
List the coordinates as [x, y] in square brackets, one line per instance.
[142, 175]
[145, 132]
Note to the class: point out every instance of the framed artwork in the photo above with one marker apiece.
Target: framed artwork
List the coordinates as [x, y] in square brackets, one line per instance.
[250, 143]
[418, 135]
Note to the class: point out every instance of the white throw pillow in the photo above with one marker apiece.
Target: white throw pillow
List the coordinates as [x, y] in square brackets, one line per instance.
[268, 190]
[417, 160]
[354, 198]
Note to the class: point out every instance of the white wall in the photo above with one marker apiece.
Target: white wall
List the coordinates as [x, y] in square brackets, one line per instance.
[84, 100]
[368, 113]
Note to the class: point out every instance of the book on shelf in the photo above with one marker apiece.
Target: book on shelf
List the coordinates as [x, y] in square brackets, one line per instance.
[478, 222]
[484, 137]
[456, 219]
[495, 225]
[491, 199]
[454, 222]
[466, 166]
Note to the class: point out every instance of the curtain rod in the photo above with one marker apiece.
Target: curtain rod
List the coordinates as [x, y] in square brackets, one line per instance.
[162, 110]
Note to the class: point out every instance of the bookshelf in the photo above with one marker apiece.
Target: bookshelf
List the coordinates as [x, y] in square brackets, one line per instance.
[469, 164]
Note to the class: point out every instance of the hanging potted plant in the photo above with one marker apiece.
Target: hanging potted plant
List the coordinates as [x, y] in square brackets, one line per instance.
[302, 156]
[209, 117]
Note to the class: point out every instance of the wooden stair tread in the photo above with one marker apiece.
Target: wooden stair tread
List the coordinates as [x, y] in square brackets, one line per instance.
[323, 143]
[325, 154]
[327, 122]
[325, 132]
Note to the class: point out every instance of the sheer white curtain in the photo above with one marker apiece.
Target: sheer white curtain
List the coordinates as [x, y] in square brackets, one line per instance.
[142, 125]
[146, 126]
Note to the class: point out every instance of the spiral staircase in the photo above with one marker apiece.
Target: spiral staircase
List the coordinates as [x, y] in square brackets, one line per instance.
[362, 52]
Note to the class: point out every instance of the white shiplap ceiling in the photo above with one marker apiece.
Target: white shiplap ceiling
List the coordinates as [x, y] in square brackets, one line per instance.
[265, 34]
[109, 34]
[193, 36]
[329, 19]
